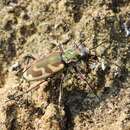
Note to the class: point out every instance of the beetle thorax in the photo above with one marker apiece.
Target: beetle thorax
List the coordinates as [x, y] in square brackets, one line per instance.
[75, 54]
[71, 55]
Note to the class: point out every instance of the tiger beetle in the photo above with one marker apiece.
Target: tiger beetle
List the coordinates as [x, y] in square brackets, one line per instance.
[54, 62]
[42, 69]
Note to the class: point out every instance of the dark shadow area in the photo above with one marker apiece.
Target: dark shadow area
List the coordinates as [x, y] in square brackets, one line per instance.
[115, 5]
[28, 30]
[77, 8]
[7, 2]
[74, 99]
[11, 118]
[7, 53]
[11, 48]
[2, 76]
[117, 39]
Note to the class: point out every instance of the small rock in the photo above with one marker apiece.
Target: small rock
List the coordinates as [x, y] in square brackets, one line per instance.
[126, 27]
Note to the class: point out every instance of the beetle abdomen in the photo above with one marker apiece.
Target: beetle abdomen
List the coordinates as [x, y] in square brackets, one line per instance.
[45, 67]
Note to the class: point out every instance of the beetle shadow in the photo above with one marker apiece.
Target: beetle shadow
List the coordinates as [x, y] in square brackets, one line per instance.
[78, 101]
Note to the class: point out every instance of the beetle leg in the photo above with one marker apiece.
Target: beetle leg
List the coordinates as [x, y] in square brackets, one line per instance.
[61, 91]
[30, 89]
[82, 77]
[36, 86]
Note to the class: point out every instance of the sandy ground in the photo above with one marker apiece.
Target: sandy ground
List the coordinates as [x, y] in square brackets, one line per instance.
[36, 27]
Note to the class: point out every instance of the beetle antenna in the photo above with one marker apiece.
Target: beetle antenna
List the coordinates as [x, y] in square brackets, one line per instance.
[97, 46]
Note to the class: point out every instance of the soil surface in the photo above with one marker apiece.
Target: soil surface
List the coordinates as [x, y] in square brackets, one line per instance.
[100, 100]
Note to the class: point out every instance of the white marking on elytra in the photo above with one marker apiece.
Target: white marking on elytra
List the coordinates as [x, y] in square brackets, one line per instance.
[27, 77]
[57, 68]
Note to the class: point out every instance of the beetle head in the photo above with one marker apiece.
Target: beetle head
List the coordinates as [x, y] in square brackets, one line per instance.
[84, 51]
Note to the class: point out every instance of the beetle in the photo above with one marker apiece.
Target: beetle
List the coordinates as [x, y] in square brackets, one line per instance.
[47, 66]
[54, 62]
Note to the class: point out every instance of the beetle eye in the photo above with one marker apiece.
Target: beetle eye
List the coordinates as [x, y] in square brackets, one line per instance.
[83, 50]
